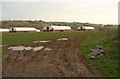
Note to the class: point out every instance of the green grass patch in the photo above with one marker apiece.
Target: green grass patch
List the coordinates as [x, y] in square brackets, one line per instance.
[21, 38]
[107, 64]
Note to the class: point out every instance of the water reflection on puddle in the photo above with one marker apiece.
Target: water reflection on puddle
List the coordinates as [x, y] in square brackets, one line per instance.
[38, 48]
[48, 49]
[21, 48]
[63, 39]
[41, 41]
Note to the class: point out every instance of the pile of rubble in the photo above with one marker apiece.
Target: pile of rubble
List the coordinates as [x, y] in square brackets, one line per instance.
[97, 51]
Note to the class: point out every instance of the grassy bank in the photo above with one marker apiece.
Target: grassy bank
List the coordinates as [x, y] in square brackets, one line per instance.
[108, 64]
[0, 43]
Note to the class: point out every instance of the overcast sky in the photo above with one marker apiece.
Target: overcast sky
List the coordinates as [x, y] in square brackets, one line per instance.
[93, 11]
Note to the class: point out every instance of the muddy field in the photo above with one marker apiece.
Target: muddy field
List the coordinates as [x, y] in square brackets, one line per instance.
[58, 58]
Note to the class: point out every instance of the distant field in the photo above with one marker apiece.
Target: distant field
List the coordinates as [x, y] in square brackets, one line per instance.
[108, 64]
[21, 38]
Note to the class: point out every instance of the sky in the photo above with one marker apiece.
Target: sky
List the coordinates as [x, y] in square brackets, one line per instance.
[92, 11]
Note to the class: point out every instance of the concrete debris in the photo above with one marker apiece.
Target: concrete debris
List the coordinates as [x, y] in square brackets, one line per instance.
[97, 51]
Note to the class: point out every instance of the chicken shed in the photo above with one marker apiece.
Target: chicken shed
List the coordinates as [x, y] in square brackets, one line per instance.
[85, 28]
[23, 29]
[57, 28]
[4, 30]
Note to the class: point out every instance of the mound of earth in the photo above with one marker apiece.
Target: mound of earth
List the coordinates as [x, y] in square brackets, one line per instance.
[63, 60]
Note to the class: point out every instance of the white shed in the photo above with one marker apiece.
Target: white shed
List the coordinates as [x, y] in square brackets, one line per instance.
[23, 29]
[4, 30]
[37, 30]
[85, 28]
[57, 28]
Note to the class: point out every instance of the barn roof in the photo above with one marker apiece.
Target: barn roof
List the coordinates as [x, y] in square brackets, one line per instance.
[4, 30]
[61, 27]
[24, 28]
[86, 27]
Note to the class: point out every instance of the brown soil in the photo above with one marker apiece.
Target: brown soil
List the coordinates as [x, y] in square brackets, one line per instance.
[64, 60]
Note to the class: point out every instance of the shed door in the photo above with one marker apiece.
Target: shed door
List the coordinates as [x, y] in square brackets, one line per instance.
[47, 28]
[81, 28]
[12, 29]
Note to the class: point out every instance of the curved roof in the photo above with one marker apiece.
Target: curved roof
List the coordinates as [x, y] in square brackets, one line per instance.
[61, 27]
[23, 28]
[4, 30]
[86, 27]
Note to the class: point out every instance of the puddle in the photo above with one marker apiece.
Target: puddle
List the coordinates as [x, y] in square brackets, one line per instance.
[28, 48]
[20, 48]
[38, 48]
[41, 41]
[62, 39]
[59, 49]
[48, 49]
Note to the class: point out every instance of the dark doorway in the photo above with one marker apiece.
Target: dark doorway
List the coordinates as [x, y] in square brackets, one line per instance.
[47, 29]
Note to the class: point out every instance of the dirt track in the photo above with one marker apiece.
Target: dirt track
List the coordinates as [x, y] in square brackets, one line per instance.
[64, 60]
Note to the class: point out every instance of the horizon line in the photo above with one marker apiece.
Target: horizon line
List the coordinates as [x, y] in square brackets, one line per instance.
[55, 21]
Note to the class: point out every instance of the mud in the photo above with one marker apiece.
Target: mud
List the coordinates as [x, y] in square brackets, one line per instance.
[64, 60]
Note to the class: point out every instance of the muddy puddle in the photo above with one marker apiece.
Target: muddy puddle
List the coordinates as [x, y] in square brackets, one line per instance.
[27, 48]
[38, 48]
[20, 48]
[44, 41]
[64, 39]
[47, 49]
[41, 41]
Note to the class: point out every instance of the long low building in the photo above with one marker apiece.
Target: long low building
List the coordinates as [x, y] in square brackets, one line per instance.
[85, 28]
[24, 29]
[57, 28]
[4, 30]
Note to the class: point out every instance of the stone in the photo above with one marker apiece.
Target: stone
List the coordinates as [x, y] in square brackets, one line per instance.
[97, 51]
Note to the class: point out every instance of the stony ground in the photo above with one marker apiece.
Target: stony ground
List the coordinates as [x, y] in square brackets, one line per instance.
[63, 60]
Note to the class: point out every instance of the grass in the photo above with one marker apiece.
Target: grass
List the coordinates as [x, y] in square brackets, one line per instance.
[108, 64]
[0, 43]
[21, 38]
